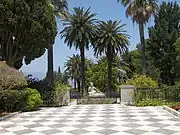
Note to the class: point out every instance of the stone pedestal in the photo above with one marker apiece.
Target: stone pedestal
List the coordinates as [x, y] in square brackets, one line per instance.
[127, 93]
[62, 99]
[96, 95]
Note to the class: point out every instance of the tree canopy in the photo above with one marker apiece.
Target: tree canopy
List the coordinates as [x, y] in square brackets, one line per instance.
[162, 37]
[97, 73]
[27, 28]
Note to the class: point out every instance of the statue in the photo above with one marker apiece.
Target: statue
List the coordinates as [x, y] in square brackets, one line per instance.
[93, 92]
[122, 75]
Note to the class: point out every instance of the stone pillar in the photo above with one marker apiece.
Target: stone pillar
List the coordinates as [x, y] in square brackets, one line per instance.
[127, 93]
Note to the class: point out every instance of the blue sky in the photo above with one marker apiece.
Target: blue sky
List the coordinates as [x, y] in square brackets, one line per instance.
[106, 10]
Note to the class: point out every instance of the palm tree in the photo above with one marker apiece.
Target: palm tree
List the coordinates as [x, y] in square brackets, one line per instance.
[140, 11]
[78, 32]
[73, 69]
[111, 39]
[60, 8]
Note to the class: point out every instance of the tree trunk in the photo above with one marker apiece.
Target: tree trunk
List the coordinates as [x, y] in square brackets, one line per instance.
[50, 75]
[79, 85]
[82, 51]
[75, 84]
[109, 87]
[143, 55]
[10, 43]
[10, 60]
[14, 6]
[9, 51]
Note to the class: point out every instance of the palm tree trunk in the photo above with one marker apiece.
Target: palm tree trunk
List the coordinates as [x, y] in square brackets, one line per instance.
[79, 85]
[75, 84]
[143, 55]
[50, 75]
[109, 87]
[82, 51]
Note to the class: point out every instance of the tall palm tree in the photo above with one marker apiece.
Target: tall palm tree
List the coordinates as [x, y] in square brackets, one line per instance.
[78, 32]
[73, 69]
[111, 39]
[60, 8]
[140, 11]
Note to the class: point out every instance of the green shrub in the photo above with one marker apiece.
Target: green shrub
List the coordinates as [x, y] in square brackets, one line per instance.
[10, 78]
[177, 85]
[59, 87]
[33, 99]
[60, 95]
[12, 100]
[49, 94]
[151, 102]
[142, 82]
[20, 100]
[156, 96]
[42, 86]
[171, 93]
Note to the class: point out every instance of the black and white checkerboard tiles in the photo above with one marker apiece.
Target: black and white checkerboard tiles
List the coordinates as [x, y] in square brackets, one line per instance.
[112, 119]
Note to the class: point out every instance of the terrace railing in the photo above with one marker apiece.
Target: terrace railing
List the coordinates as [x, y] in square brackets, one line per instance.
[165, 93]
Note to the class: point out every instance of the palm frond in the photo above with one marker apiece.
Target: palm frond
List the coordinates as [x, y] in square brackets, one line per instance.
[79, 28]
[140, 10]
[111, 38]
[60, 8]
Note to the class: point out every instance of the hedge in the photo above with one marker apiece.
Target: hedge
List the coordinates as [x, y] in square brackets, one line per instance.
[19, 100]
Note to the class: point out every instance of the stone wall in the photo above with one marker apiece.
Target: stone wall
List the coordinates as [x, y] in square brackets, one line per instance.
[62, 99]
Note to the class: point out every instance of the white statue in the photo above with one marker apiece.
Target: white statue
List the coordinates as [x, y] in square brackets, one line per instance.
[93, 91]
[122, 75]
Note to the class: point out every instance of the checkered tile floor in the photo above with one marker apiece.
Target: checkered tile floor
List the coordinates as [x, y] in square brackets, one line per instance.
[93, 120]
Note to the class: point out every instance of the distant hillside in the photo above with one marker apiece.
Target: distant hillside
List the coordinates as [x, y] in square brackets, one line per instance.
[38, 75]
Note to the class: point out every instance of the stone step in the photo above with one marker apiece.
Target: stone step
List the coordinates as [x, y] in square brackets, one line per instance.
[97, 101]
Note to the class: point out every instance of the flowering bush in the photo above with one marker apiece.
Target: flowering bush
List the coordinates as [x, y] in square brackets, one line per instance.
[33, 99]
[142, 82]
[10, 78]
